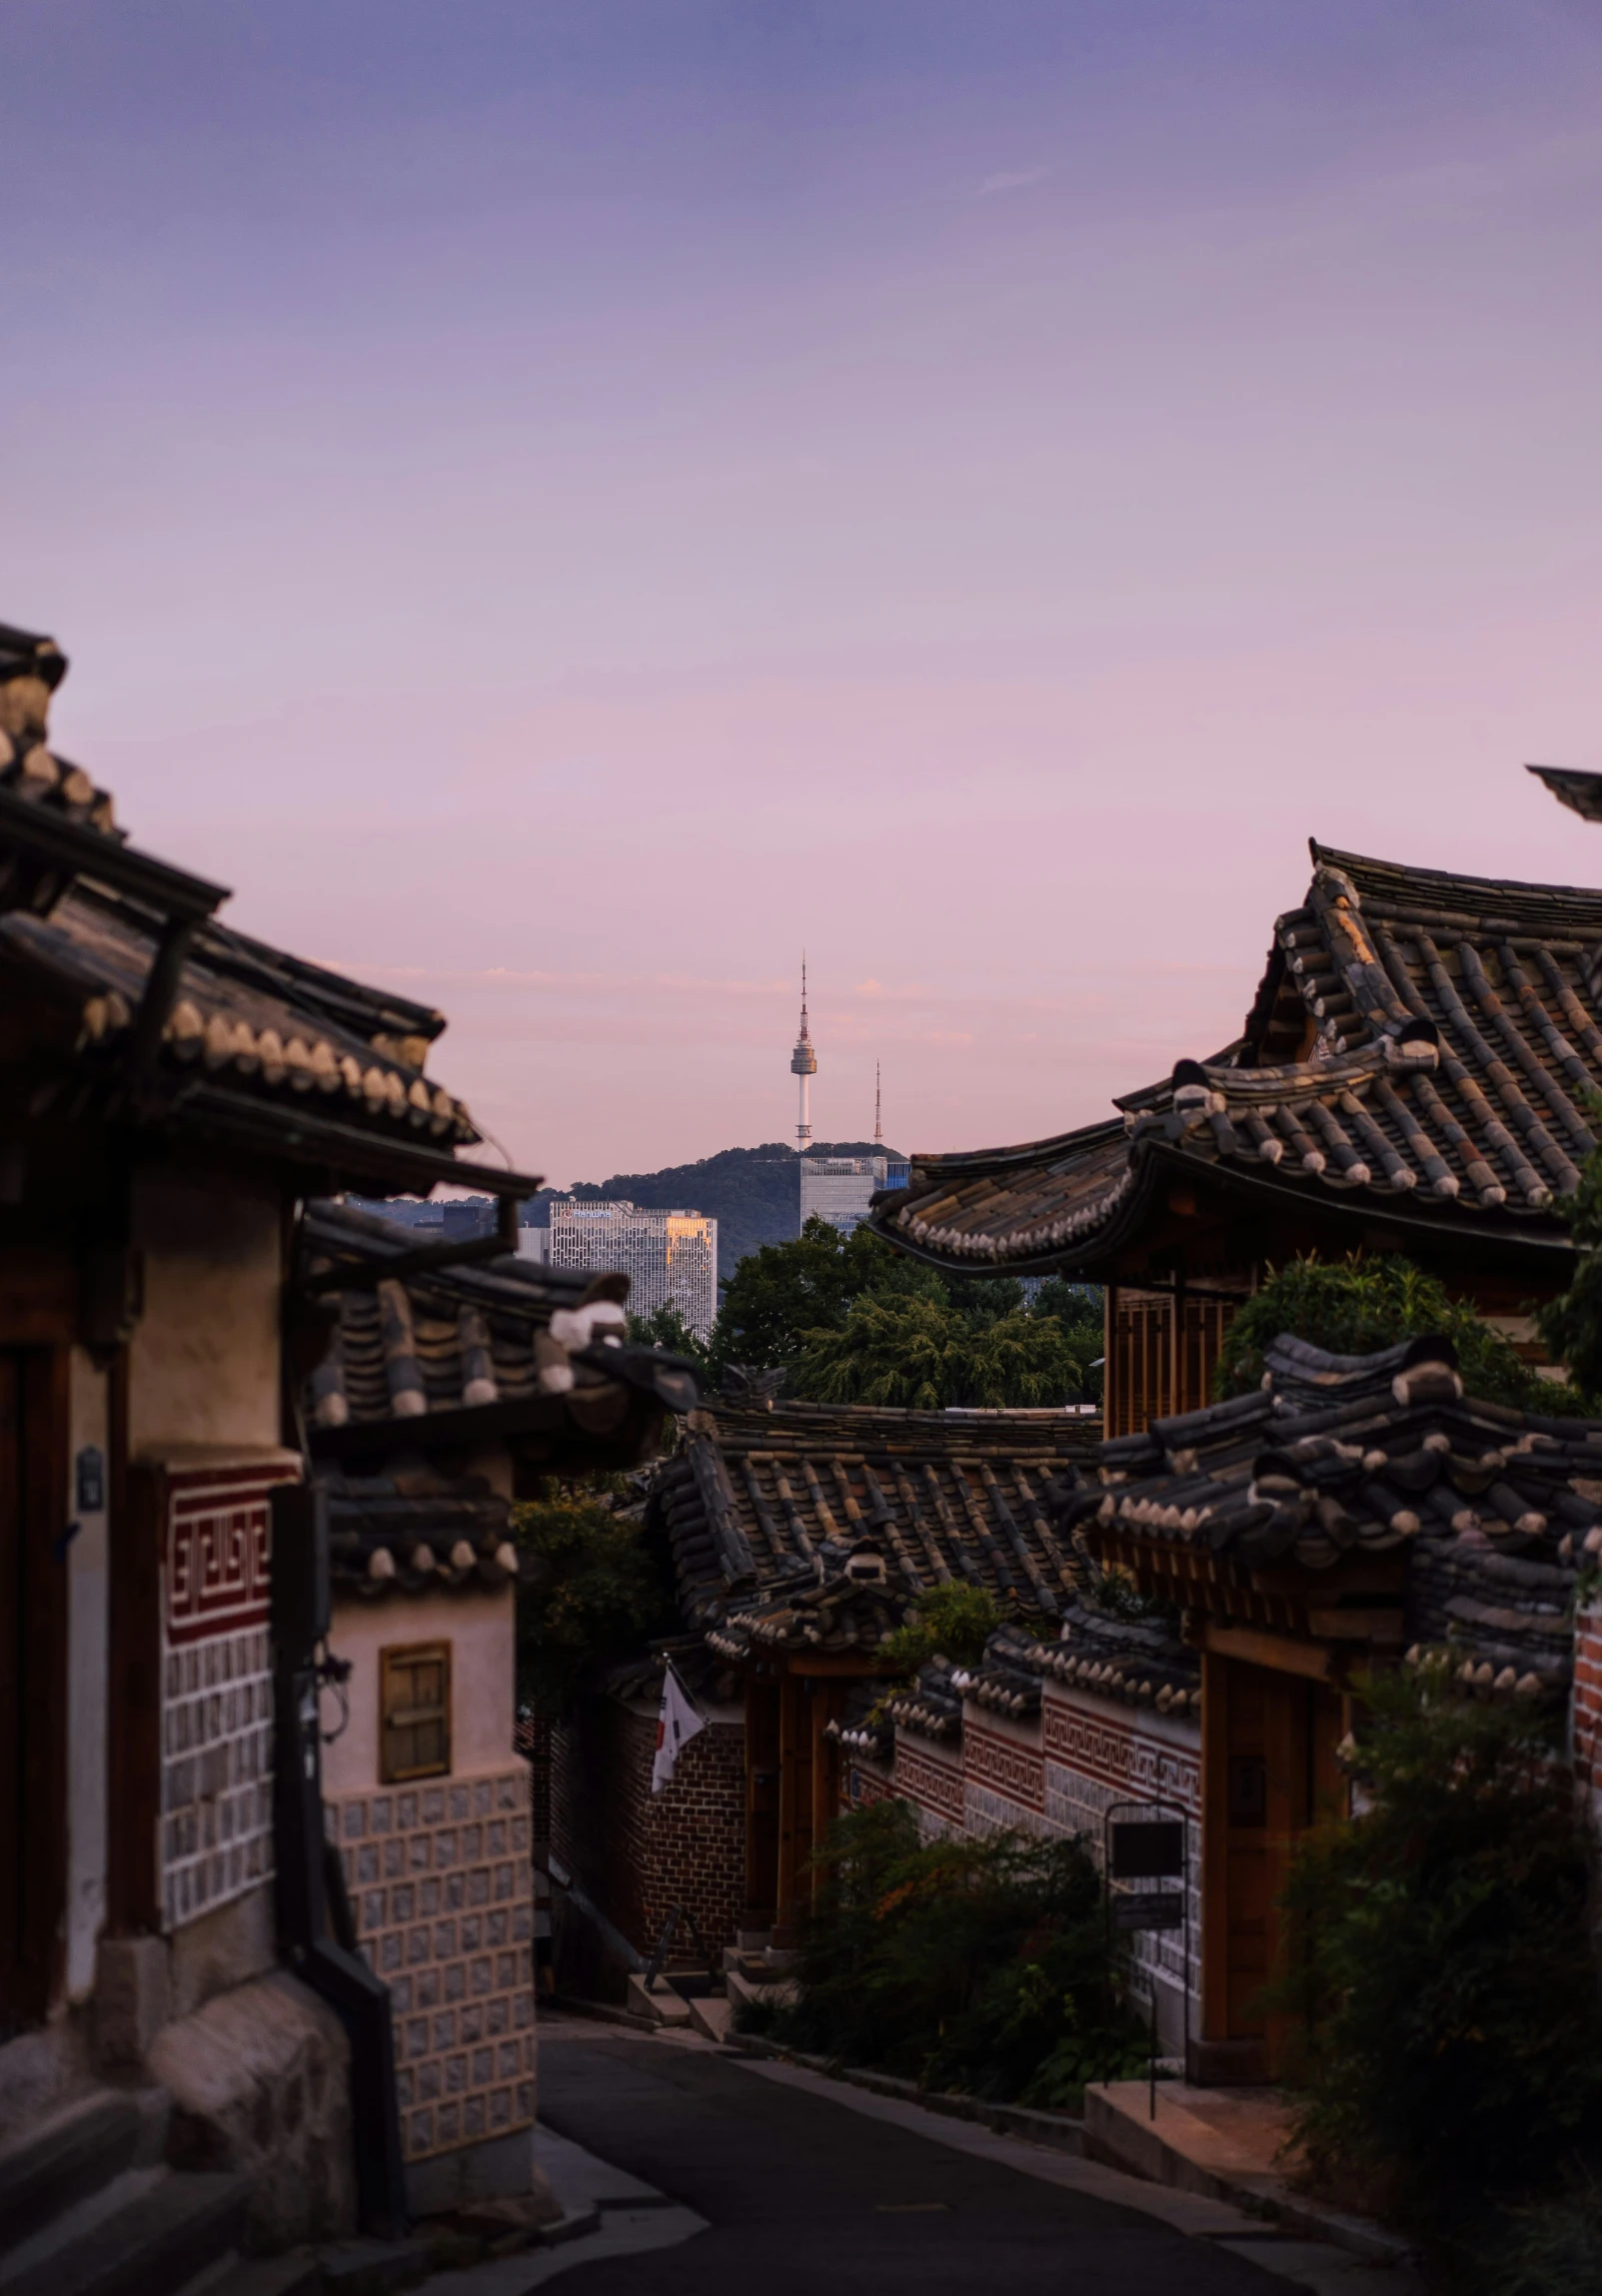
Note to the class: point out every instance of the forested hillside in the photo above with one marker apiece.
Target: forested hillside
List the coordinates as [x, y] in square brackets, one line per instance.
[754, 1194]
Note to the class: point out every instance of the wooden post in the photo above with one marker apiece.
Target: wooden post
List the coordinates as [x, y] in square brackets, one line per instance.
[790, 1722]
[1112, 1404]
[762, 1802]
[1214, 1848]
[33, 1681]
[138, 1499]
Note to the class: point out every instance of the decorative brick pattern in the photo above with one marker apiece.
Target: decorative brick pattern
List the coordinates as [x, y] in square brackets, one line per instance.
[935, 1785]
[216, 1839]
[442, 1888]
[1014, 1773]
[216, 1551]
[216, 1774]
[1097, 1753]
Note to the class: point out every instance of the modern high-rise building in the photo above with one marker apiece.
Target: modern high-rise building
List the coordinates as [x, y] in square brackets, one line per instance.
[838, 1187]
[669, 1258]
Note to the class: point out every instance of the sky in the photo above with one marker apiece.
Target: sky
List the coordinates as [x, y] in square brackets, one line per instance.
[562, 503]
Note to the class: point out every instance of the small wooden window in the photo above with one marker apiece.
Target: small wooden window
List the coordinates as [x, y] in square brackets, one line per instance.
[413, 1711]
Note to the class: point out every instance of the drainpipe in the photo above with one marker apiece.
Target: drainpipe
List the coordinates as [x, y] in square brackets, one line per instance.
[316, 1934]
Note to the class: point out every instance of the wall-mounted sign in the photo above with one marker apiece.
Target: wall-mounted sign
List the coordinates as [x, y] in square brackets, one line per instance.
[90, 1480]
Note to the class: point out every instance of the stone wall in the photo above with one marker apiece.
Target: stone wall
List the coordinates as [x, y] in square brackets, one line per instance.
[442, 1888]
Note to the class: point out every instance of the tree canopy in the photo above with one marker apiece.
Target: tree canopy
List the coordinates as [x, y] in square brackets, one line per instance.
[1356, 1305]
[851, 1319]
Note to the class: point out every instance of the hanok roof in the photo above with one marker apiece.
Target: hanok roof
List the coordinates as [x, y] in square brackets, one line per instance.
[140, 1007]
[416, 1531]
[1489, 1511]
[1422, 1046]
[813, 1527]
[503, 1349]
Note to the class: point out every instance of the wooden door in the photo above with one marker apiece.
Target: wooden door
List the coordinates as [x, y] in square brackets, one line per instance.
[33, 1681]
[1271, 1773]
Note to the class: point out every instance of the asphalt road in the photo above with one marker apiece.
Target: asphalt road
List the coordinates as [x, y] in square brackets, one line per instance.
[804, 2195]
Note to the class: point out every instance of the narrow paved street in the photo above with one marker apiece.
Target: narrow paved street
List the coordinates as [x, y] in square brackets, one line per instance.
[806, 2195]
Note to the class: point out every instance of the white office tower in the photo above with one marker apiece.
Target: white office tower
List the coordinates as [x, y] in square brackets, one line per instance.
[803, 1063]
[669, 1258]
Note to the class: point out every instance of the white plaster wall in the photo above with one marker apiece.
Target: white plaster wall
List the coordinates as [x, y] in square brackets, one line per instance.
[87, 1659]
[204, 1360]
[480, 1629]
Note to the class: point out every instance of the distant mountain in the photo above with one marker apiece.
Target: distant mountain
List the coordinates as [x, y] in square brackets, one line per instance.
[754, 1194]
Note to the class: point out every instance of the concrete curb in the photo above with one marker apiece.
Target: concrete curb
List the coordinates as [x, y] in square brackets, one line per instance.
[1059, 2130]
[1115, 2138]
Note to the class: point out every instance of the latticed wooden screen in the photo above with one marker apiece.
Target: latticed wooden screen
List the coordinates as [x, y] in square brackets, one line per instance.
[1152, 1372]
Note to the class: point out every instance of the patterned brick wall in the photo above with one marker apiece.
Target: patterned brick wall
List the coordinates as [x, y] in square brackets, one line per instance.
[1003, 1777]
[932, 1780]
[1098, 1752]
[442, 1887]
[636, 1853]
[217, 1695]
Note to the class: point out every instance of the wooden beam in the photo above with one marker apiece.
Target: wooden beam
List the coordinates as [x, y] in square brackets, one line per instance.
[1257, 1648]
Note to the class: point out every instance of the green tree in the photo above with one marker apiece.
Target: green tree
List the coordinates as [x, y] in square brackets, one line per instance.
[1571, 1324]
[782, 1293]
[921, 1354]
[594, 1591]
[1455, 2047]
[1356, 1305]
[666, 1328]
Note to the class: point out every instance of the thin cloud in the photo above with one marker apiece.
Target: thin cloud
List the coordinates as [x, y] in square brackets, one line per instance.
[1011, 180]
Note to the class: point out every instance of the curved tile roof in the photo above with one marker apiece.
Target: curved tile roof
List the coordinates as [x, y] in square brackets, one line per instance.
[1428, 1042]
[498, 1350]
[1491, 1511]
[814, 1524]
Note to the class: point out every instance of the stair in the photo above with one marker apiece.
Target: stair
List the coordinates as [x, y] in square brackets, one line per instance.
[89, 2208]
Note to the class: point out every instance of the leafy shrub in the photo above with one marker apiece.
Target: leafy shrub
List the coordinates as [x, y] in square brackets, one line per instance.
[1455, 2050]
[1550, 2248]
[980, 1966]
[955, 1621]
[1356, 1305]
[1571, 1324]
[596, 1590]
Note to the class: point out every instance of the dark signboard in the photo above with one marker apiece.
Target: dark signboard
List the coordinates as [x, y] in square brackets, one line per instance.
[1146, 1849]
[1148, 1910]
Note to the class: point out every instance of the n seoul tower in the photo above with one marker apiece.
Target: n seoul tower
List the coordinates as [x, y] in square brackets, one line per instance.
[803, 1063]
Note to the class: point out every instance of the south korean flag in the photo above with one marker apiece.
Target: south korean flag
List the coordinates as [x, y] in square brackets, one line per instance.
[676, 1724]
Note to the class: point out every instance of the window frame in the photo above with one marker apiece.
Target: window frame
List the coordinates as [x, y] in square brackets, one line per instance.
[395, 1659]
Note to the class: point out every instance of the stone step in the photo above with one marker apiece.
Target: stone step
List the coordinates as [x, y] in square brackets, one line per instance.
[712, 2016]
[163, 2236]
[662, 2004]
[780, 1992]
[64, 2159]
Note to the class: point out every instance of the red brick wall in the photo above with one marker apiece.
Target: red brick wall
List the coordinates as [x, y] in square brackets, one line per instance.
[1586, 1710]
[532, 1738]
[635, 1852]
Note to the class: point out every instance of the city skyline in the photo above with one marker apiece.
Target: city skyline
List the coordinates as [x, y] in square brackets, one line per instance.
[893, 484]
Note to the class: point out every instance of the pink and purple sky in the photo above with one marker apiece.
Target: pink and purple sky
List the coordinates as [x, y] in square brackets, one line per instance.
[563, 503]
